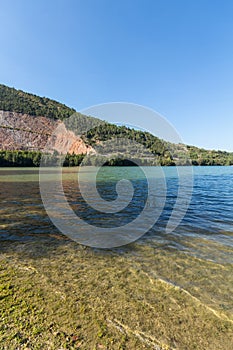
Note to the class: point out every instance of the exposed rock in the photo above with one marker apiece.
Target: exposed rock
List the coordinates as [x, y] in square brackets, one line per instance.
[24, 132]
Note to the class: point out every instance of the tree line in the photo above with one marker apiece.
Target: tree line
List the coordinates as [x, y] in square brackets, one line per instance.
[33, 159]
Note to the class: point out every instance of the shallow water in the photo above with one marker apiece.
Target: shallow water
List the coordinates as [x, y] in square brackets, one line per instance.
[197, 255]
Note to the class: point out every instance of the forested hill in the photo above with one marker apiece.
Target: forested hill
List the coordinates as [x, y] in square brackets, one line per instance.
[22, 102]
[32, 131]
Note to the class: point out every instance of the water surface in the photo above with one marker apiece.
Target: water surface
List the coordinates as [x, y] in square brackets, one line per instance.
[197, 256]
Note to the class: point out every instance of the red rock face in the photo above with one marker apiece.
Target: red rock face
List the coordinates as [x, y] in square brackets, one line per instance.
[24, 132]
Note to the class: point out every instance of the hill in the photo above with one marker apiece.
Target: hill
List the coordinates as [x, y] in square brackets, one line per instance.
[27, 120]
[22, 102]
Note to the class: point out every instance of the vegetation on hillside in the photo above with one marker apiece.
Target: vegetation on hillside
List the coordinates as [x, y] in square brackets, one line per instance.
[23, 102]
[165, 153]
[101, 136]
[200, 156]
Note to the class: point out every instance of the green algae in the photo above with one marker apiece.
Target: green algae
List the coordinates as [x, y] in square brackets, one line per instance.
[60, 295]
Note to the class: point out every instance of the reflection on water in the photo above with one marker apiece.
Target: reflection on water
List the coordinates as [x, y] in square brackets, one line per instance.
[197, 256]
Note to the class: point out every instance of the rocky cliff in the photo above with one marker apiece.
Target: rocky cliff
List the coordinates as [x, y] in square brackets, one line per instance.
[20, 131]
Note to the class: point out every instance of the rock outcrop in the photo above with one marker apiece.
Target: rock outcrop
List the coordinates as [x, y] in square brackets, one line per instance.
[25, 132]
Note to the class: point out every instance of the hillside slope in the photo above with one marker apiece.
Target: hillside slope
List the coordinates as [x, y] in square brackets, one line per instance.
[22, 102]
[24, 132]
[27, 121]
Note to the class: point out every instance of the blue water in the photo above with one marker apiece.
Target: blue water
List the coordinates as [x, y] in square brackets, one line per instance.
[208, 216]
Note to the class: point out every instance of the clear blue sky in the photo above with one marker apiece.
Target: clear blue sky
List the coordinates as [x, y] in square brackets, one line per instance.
[174, 56]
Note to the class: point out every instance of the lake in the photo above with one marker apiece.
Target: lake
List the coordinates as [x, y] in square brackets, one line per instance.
[197, 256]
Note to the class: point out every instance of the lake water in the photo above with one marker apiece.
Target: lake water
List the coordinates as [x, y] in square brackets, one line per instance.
[197, 255]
